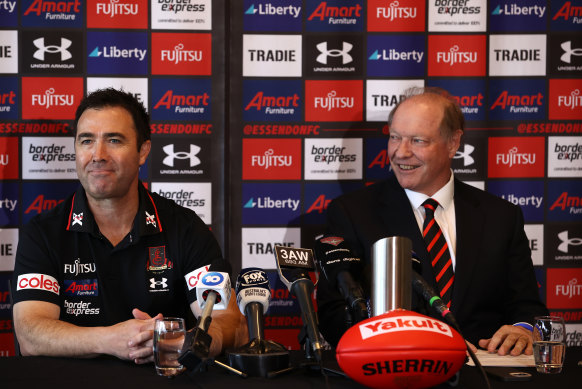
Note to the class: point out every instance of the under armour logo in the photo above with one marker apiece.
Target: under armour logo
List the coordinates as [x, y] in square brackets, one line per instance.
[563, 236]
[151, 219]
[162, 283]
[465, 155]
[171, 155]
[42, 49]
[569, 52]
[344, 53]
[77, 219]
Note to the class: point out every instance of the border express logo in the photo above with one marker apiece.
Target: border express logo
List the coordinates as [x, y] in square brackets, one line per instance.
[396, 56]
[517, 99]
[117, 14]
[272, 100]
[182, 15]
[52, 13]
[271, 159]
[516, 157]
[333, 159]
[266, 204]
[455, 15]
[396, 16]
[51, 98]
[196, 196]
[334, 15]
[565, 156]
[181, 99]
[334, 101]
[457, 55]
[272, 55]
[269, 15]
[517, 15]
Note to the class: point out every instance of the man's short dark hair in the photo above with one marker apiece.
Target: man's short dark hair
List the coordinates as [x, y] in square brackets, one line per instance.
[453, 118]
[111, 97]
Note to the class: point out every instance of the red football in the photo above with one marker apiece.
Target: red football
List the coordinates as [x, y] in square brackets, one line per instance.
[401, 349]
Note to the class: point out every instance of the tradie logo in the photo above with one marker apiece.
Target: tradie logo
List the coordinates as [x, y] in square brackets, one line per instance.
[454, 56]
[566, 242]
[394, 11]
[344, 53]
[465, 155]
[569, 52]
[514, 158]
[42, 49]
[179, 55]
[171, 155]
[573, 101]
[114, 8]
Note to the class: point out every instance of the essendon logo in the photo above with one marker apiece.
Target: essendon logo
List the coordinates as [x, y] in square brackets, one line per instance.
[271, 159]
[51, 98]
[334, 101]
[8, 158]
[38, 282]
[404, 323]
[181, 54]
[396, 15]
[456, 55]
[117, 14]
[564, 288]
[565, 99]
[516, 157]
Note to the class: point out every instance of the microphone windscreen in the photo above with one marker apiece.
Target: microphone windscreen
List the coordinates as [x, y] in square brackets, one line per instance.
[334, 256]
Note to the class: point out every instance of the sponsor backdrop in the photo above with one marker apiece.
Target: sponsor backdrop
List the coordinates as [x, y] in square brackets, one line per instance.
[258, 126]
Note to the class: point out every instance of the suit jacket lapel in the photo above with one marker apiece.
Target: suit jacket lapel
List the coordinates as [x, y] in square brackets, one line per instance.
[469, 217]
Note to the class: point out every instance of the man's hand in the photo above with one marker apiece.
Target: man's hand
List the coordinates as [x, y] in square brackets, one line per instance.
[512, 340]
[141, 344]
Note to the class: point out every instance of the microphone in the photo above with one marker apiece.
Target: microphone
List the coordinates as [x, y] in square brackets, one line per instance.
[293, 265]
[259, 357]
[338, 264]
[213, 292]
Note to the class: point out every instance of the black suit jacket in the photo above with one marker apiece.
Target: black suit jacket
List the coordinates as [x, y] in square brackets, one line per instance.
[494, 277]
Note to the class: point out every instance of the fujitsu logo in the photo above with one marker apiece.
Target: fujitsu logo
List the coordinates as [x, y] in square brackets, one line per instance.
[573, 101]
[569, 290]
[40, 6]
[42, 49]
[79, 268]
[514, 158]
[50, 99]
[269, 159]
[395, 12]
[330, 101]
[566, 241]
[344, 53]
[114, 8]
[260, 101]
[180, 55]
[454, 56]
[569, 52]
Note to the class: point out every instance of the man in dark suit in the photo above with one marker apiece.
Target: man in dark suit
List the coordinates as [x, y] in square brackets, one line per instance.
[494, 290]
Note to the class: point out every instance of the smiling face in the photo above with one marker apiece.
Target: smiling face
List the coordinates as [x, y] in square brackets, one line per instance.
[107, 158]
[420, 155]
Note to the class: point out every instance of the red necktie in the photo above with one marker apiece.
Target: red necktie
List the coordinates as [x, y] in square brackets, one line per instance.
[438, 249]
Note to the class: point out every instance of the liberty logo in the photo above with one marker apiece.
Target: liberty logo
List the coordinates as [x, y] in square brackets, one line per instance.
[42, 49]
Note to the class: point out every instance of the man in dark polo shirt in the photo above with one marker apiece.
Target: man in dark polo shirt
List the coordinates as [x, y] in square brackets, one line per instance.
[93, 274]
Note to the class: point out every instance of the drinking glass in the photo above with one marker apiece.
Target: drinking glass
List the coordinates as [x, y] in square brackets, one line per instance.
[549, 344]
[169, 334]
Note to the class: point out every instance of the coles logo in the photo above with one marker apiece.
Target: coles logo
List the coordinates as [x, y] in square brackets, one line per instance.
[117, 14]
[396, 15]
[195, 276]
[51, 98]
[456, 55]
[334, 101]
[181, 54]
[9, 158]
[516, 157]
[404, 323]
[38, 281]
[565, 102]
[564, 288]
[271, 159]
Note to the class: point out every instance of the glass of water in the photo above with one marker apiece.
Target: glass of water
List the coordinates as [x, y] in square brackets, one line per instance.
[169, 334]
[549, 344]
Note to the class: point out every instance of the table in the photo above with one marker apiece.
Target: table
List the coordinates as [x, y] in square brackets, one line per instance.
[111, 373]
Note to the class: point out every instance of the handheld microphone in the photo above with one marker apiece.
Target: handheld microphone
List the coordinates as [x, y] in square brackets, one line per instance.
[293, 265]
[338, 264]
[212, 291]
[252, 297]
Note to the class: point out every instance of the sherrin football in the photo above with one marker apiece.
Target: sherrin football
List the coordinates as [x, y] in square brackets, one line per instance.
[401, 349]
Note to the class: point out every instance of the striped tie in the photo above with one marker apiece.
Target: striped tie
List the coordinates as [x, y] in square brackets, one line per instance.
[437, 247]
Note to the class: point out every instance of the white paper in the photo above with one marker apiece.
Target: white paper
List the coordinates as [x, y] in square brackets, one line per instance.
[494, 359]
